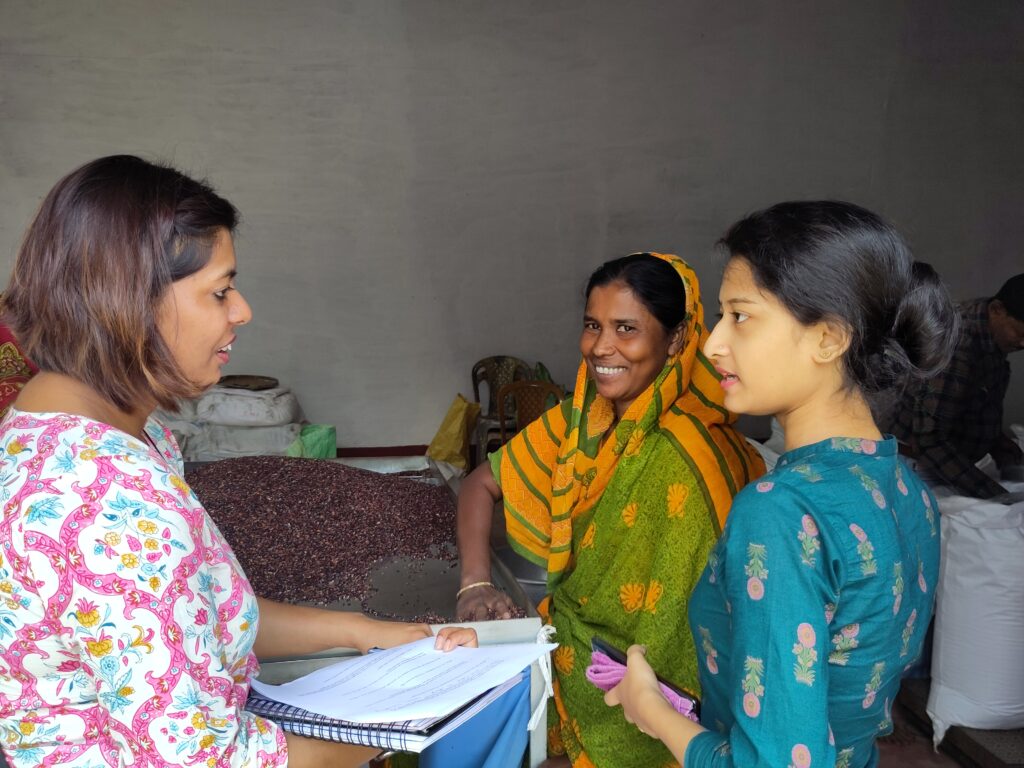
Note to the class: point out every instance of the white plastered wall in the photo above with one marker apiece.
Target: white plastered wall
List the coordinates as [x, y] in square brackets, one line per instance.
[427, 182]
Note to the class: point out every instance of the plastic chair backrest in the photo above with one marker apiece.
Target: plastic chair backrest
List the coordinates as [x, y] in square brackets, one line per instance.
[496, 372]
[529, 401]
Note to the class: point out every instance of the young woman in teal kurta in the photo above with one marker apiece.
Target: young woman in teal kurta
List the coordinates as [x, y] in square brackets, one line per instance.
[819, 592]
[829, 564]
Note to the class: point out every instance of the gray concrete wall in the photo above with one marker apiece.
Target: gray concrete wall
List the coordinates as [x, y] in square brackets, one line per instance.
[428, 182]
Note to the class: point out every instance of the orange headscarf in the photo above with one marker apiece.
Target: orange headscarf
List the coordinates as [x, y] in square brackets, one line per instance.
[554, 470]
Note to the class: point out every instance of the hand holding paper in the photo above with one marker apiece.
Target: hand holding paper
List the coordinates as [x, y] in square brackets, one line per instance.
[407, 682]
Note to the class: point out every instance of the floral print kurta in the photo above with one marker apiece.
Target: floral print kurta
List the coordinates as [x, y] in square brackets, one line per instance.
[126, 624]
[815, 600]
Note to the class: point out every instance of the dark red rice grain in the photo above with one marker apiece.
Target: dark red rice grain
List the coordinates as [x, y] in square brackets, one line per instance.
[308, 530]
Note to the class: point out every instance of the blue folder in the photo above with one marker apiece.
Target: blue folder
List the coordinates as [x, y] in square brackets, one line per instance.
[494, 738]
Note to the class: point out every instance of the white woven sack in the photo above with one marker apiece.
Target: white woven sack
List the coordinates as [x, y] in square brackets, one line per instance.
[978, 651]
[186, 411]
[245, 408]
[215, 441]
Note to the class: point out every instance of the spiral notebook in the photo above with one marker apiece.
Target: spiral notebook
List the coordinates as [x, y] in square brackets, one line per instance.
[403, 735]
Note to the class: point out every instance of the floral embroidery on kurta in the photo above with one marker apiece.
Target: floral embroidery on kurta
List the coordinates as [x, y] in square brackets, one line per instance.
[752, 687]
[806, 654]
[809, 541]
[844, 641]
[868, 566]
[897, 587]
[756, 571]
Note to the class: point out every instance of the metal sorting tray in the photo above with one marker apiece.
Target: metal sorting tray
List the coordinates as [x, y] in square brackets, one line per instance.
[413, 587]
[406, 587]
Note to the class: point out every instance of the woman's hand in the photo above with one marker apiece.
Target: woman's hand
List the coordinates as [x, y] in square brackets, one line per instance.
[639, 693]
[290, 630]
[483, 602]
[644, 705]
[388, 634]
[451, 637]
[478, 495]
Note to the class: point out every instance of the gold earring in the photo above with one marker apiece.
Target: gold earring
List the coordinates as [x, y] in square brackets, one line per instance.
[826, 355]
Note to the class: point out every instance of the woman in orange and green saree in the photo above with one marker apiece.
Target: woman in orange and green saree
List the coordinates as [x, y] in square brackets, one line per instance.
[620, 493]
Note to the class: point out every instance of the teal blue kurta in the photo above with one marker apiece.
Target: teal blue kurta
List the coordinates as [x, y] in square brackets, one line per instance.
[815, 599]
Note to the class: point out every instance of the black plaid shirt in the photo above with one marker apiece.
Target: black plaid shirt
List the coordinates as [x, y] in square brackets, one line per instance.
[951, 421]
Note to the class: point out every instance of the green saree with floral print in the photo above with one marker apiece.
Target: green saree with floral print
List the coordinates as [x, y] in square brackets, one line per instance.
[623, 516]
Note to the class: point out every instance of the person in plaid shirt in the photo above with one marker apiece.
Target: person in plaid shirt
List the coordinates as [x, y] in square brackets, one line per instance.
[951, 421]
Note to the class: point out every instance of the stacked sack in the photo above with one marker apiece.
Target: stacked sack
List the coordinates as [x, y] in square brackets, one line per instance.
[978, 650]
[229, 421]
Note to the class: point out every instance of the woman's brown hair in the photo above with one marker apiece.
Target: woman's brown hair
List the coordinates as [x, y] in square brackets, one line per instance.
[106, 244]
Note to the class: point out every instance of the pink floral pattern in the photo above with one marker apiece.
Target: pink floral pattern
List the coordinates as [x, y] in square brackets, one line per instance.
[710, 653]
[844, 641]
[873, 684]
[809, 541]
[929, 511]
[897, 587]
[130, 624]
[908, 633]
[801, 756]
[756, 570]
[753, 688]
[866, 550]
[806, 654]
[901, 485]
[869, 483]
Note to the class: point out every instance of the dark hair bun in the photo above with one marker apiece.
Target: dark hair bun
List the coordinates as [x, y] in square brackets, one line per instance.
[927, 324]
[831, 259]
[918, 344]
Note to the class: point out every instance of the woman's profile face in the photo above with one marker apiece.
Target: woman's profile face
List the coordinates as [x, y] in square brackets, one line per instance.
[623, 344]
[764, 354]
[198, 314]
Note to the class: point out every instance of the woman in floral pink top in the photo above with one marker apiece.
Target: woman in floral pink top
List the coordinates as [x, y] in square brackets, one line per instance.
[128, 630]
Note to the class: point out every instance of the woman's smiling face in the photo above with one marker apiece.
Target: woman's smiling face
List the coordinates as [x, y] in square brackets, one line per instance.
[624, 345]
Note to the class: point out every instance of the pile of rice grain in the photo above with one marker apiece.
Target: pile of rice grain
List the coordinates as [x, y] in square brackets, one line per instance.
[308, 530]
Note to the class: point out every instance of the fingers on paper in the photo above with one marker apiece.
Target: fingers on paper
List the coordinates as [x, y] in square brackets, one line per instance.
[452, 637]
